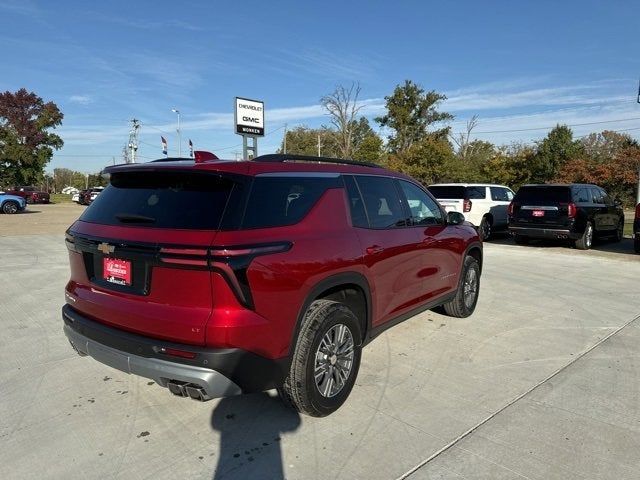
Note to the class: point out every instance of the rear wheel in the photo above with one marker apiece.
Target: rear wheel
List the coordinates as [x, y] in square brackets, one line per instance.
[464, 303]
[586, 240]
[325, 361]
[9, 207]
[485, 229]
[636, 244]
[619, 231]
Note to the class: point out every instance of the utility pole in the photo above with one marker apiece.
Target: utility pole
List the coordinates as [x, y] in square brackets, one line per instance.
[285, 138]
[133, 140]
[318, 143]
[176, 111]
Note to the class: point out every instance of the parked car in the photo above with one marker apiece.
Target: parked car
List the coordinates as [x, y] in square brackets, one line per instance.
[86, 197]
[30, 194]
[10, 204]
[70, 190]
[636, 230]
[578, 212]
[483, 205]
[220, 278]
[76, 196]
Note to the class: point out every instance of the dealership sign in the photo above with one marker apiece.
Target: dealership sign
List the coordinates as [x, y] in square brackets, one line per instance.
[249, 117]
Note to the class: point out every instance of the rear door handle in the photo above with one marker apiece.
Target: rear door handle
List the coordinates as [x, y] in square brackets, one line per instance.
[372, 250]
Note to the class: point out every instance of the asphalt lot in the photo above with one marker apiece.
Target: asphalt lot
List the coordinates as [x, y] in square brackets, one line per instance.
[542, 382]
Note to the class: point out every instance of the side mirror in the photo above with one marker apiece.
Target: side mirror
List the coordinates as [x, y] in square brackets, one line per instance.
[455, 218]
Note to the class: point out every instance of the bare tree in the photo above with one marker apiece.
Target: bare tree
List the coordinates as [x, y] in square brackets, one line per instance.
[462, 139]
[342, 106]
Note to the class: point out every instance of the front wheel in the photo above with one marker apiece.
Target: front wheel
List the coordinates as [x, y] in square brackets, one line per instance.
[325, 361]
[466, 298]
[10, 207]
[586, 240]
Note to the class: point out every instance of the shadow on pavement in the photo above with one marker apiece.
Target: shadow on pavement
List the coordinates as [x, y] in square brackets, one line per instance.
[250, 429]
[600, 244]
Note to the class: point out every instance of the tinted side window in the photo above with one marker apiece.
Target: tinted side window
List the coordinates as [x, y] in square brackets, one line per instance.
[582, 195]
[356, 205]
[424, 210]
[381, 202]
[606, 199]
[501, 194]
[278, 201]
[597, 196]
[476, 193]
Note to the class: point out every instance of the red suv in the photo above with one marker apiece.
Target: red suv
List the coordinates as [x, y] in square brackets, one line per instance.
[220, 278]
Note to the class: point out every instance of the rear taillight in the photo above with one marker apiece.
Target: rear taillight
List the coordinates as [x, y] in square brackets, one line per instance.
[571, 210]
[177, 353]
[510, 209]
[467, 206]
[638, 211]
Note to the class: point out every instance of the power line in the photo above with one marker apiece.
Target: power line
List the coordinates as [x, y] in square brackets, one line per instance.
[548, 128]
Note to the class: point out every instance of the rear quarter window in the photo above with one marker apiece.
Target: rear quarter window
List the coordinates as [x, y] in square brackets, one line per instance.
[277, 201]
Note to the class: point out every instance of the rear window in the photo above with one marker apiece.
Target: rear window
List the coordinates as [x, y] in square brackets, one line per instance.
[543, 195]
[447, 192]
[180, 200]
[277, 201]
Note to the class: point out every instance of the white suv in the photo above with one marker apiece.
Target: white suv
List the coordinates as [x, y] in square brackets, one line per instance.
[482, 204]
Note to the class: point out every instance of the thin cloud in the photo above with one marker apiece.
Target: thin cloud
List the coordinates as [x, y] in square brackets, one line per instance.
[81, 99]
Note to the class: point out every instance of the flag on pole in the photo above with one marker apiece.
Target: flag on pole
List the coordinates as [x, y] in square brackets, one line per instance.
[190, 149]
[164, 145]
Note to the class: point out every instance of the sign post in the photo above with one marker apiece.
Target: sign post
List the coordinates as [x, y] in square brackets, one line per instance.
[249, 122]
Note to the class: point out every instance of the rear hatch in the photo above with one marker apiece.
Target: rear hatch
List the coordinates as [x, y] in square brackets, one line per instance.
[139, 253]
[451, 197]
[542, 206]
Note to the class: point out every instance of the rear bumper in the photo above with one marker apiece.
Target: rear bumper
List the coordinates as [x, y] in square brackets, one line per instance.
[552, 233]
[219, 372]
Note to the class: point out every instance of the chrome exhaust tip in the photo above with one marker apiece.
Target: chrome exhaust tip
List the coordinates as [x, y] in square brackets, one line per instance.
[196, 392]
[177, 388]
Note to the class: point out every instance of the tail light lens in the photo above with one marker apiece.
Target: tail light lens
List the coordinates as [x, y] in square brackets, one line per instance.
[467, 206]
[510, 209]
[572, 210]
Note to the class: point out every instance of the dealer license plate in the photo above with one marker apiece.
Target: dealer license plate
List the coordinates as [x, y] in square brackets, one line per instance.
[116, 271]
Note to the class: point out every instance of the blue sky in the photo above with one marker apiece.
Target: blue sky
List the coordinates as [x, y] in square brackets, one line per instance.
[517, 65]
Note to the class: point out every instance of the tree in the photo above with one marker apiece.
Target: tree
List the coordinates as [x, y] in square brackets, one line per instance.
[605, 145]
[554, 151]
[428, 160]
[511, 165]
[367, 145]
[342, 106]
[410, 114]
[463, 139]
[304, 141]
[26, 144]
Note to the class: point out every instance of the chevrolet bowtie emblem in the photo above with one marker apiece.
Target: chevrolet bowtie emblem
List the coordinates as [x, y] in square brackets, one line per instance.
[106, 248]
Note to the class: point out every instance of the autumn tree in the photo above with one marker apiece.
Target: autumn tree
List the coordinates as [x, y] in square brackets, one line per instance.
[26, 140]
[303, 140]
[367, 144]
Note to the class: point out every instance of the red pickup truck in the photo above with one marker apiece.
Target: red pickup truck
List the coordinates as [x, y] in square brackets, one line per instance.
[30, 194]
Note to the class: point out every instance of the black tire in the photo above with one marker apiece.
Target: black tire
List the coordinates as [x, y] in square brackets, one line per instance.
[464, 303]
[586, 240]
[636, 244]
[10, 207]
[619, 233]
[485, 229]
[300, 389]
[520, 239]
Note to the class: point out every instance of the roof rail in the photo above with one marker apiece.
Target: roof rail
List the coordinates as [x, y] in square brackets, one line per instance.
[287, 157]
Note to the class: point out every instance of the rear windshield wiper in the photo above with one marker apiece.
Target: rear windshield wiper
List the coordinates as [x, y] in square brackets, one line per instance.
[133, 218]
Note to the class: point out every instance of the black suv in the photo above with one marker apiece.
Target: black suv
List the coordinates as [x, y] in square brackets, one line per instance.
[577, 212]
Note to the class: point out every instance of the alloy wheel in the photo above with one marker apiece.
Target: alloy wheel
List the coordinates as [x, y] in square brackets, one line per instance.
[470, 287]
[334, 360]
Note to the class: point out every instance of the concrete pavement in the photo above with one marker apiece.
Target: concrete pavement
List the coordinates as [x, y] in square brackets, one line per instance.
[421, 385]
